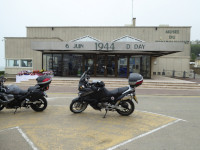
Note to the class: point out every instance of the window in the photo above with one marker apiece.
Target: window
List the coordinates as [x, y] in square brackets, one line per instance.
[26, 63]
[12, 63]
[19, 63]
[47, 62]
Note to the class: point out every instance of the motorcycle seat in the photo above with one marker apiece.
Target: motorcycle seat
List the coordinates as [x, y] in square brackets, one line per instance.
[116, 92]
[22, 92]
[32, 88]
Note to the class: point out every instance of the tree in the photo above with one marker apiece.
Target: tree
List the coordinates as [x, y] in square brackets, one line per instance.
[193, 57]
[195, 50]
[197, 41]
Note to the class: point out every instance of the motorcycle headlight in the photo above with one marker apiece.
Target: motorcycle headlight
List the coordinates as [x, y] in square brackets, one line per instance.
[82, 87]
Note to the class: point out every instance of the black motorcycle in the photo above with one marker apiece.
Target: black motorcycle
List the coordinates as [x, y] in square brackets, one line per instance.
[12, 97]
[98, 97]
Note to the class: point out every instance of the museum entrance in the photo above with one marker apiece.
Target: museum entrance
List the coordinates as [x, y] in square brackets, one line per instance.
[101, 65]
[105, 65]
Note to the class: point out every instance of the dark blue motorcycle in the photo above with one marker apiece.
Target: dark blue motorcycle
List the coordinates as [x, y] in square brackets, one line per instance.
[12, 97]
[98, 97]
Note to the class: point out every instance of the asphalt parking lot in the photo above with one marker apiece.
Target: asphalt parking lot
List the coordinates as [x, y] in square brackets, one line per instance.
[160, 121]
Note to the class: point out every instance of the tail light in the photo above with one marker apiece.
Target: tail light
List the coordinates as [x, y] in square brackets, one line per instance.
[139, 83]
[46, 88]
[46, 79]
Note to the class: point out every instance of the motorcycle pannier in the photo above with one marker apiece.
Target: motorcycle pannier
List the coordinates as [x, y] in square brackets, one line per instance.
[36, 94]
[44, 80]
[135, 79]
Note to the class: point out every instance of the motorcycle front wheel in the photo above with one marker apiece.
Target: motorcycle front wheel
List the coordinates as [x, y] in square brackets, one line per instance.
[127, 107]
[39, 105]
[77, 106]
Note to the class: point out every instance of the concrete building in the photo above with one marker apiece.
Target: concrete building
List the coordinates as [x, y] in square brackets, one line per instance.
[112, 51]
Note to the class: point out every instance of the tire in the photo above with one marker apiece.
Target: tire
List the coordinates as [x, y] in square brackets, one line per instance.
[40, 106]
[1, 107]
[77, 106]
[128, 106]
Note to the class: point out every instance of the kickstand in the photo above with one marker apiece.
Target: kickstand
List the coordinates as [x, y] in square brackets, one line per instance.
[15, 110]
[105, 114]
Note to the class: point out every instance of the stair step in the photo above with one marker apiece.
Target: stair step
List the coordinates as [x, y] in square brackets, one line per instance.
[118, 82]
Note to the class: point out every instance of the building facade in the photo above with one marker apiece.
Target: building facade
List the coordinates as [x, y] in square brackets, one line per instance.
[108, 51]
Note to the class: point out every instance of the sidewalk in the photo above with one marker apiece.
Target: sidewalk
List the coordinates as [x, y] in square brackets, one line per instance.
[158, 85]
[154, 79]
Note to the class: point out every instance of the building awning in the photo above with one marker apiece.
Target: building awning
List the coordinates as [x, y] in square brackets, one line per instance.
[141, 48]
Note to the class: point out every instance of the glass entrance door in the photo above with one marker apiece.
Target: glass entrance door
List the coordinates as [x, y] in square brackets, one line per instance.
[140, 64]
[146, 67]
[47, 62]
[135, 64]
[57, 64]
[122, 66]
[110, 67]
[89, 63]
[72, 65]
[100, 65]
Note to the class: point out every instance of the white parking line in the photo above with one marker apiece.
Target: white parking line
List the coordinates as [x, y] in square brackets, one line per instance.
[111, 148]
[142, 135]
[147, 133]
[161, 115]
[23, 135]
[7, 129]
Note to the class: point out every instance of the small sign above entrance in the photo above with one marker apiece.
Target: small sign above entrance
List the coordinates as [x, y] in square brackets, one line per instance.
[105, 46]
[152, 48]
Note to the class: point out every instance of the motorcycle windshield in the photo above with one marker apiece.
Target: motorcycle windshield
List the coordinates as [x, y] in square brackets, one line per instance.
[82, 77]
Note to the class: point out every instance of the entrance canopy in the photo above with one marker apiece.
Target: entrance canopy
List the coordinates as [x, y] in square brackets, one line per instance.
[142, 48]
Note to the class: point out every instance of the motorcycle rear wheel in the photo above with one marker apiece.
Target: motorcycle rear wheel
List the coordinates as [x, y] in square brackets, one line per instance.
[40, 106]
[77, 106]
[128, 106]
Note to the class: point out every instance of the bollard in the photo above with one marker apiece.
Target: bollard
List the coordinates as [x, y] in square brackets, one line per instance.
[184, 74]
[173, 73]
[163, 73]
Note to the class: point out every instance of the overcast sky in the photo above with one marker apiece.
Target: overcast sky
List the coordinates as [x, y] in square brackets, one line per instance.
[16, 15]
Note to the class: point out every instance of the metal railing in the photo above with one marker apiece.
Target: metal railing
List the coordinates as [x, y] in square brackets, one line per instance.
[180, 74]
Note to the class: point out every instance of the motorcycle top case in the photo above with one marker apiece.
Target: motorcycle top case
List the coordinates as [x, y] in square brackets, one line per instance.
[44, 80]
[135, 79]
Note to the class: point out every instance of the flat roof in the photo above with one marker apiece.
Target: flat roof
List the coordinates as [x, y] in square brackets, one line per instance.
[108, 26]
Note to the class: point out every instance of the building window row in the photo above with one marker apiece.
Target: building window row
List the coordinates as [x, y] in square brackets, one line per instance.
[108, 65]
[19, 63]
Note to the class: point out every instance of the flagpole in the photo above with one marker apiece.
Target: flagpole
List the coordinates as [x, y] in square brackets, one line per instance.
[132, 9]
